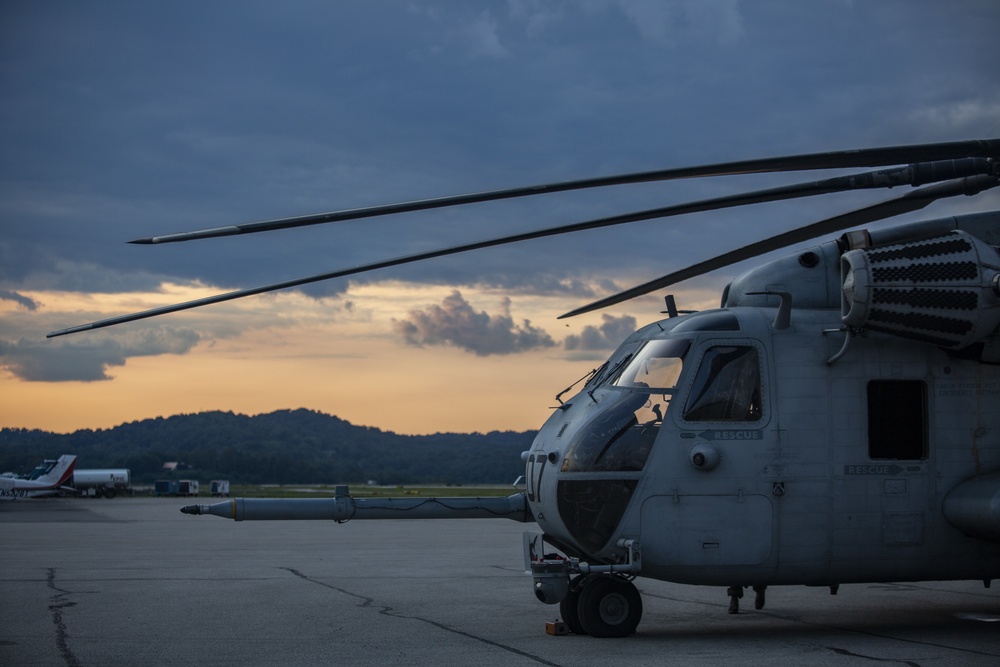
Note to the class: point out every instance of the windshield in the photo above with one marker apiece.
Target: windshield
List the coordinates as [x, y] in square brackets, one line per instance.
[656, 367]
[621, 435]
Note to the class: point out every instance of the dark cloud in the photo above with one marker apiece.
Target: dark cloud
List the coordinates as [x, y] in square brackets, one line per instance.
[608, 336]
[87, 359]
[24, 301]
[456, 323]
[122, 120]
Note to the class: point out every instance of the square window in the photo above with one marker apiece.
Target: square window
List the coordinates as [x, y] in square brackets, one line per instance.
[897, 419]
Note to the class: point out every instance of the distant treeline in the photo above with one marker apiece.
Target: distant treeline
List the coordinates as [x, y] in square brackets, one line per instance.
[284, 447]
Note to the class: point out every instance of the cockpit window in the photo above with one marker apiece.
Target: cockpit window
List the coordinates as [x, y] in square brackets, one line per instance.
[727, 386]
[656, 367]
[621, 435]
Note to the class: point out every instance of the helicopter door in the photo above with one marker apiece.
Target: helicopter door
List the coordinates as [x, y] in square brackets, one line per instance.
[714, 513]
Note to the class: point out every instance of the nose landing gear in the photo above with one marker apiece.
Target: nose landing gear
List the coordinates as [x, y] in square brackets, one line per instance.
[598, 600]
[602, 605]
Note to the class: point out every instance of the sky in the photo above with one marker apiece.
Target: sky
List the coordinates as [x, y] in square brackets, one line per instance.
[124, 120]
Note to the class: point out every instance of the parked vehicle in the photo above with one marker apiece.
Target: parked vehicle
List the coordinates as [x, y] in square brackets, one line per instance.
[175, 487]
[102, 482]
[218, 488]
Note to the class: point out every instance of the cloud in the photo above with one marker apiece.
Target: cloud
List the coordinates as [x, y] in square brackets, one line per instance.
[24, 301]
[123, 125]
[455, 323]
[608, 336]
[718, 21]
[536, 15]
[960, 114]
[88, 359]
[484, 37]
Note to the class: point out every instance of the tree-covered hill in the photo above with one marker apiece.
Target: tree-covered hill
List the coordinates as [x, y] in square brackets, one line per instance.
[284, 447]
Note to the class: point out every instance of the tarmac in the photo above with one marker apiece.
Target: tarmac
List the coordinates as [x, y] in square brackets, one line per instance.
[130, 581]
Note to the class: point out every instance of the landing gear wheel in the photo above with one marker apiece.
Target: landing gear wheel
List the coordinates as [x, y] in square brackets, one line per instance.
[609, 606]
[569, 607]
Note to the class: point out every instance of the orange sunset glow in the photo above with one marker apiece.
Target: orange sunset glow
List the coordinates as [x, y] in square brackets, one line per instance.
[340, 356]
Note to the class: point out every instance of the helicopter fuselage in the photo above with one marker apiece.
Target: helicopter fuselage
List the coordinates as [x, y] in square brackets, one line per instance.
[750, 445]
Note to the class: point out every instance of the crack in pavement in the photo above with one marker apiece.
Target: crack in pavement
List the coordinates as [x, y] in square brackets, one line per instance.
[57, 603]
[842, 651]
[389, 611]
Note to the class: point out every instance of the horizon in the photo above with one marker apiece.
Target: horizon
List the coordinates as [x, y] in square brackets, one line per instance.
[265, 414]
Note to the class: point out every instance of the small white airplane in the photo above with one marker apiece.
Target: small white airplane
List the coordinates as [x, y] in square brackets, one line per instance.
[58, 478]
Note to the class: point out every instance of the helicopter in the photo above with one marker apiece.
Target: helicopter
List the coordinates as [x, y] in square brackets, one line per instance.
[835, 420]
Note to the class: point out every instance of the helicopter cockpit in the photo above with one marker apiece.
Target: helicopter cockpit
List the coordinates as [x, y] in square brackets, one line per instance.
[601, 441]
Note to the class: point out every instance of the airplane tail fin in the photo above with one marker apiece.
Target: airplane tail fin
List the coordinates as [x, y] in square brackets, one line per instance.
[61, 473]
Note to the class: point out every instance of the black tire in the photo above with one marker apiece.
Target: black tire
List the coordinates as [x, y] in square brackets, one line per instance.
[569, 607]
[609, 606]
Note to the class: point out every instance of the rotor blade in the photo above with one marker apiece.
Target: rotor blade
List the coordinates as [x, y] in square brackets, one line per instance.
[870, 157]
[878, 179]
[912, 201]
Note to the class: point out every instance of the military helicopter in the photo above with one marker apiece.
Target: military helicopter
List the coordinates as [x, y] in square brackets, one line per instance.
[835, 420]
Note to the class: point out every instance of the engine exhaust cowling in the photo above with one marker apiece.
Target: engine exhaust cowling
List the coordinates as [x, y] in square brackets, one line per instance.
[944, 290]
